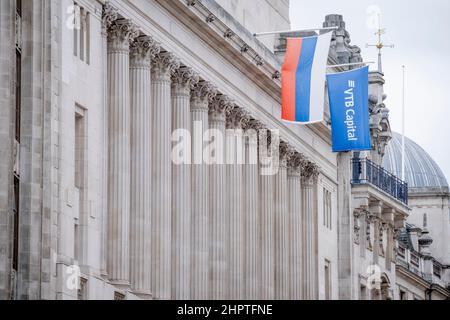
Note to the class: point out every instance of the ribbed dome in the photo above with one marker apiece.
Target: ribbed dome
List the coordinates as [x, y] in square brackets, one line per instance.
[421, 171]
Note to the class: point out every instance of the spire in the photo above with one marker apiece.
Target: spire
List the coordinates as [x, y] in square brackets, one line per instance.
[380, 45]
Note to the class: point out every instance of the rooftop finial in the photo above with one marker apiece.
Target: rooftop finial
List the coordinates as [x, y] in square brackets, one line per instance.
[380, 45]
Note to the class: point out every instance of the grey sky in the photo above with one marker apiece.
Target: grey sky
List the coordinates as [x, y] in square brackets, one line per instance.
[419, 30]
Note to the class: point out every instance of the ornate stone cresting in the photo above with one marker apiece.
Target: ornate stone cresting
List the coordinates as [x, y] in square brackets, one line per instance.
[121, 33]
[142, 51]
[109, 15]
[341, 50]
[380, 128]
[356, 225]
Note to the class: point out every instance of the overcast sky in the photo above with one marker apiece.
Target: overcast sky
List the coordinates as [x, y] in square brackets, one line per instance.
[420, 32]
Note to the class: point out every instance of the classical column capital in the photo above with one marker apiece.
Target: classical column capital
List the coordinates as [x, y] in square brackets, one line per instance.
[185, 78]
[142, 51]
[310, 172]
[164, 65]
[121, 33]
[286, 152]
[237, 118]
[219, 107]
[109, 15]
[253, 124]
[203, 91]
[295, 164]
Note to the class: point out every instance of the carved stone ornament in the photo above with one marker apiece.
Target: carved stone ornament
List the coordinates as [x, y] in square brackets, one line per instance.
[109, 15]
[185, 78]
[143, 50]
[121, 34]
[164, 65]
[203, 92]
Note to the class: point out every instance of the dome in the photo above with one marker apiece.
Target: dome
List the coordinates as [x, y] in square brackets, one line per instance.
[421, 171]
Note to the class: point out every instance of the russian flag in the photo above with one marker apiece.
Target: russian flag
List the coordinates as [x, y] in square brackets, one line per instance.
[303, 78]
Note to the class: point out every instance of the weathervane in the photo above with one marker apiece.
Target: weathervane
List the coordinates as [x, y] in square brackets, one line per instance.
[380, 45]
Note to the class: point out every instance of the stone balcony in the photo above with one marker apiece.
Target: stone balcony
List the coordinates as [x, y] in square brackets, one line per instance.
[367, 172]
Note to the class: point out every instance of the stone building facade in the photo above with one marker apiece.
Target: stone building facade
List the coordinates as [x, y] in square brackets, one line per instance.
[92, 203]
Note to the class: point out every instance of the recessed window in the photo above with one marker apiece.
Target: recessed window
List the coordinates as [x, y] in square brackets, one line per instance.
[327, 222]
[81, 33]
[403, 295]
[327, 274]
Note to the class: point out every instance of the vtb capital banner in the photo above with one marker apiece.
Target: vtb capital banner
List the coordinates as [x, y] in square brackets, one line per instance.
[348, 96]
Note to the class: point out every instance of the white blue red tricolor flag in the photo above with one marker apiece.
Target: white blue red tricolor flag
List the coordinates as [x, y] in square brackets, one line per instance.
[303, 78]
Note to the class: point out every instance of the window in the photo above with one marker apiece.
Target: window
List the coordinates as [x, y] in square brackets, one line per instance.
[15, 260]
[403, 295]
[79, 180]
[80, 145]
[81, 34]
[18, 76]
[437, 270]
[401, 252]
[327, 274]
[327, 222]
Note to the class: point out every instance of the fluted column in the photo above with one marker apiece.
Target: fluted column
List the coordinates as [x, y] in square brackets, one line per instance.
[120, 35]
[143, 50]
[218, 252]
[295, 226]
[182, 81]
[201, 95]
[163, 66]
[235, 188]
[252, 247]
[267, 211]
[309, 174]
[109, 15]
[282, 227]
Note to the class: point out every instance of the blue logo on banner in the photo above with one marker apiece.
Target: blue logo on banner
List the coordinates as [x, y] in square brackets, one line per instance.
[348, 95]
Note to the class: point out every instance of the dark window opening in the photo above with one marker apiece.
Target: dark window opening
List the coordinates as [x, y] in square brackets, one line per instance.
[15, 258]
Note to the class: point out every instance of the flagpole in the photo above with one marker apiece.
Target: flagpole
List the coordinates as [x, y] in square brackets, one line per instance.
[403, 125]
[293, 31]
